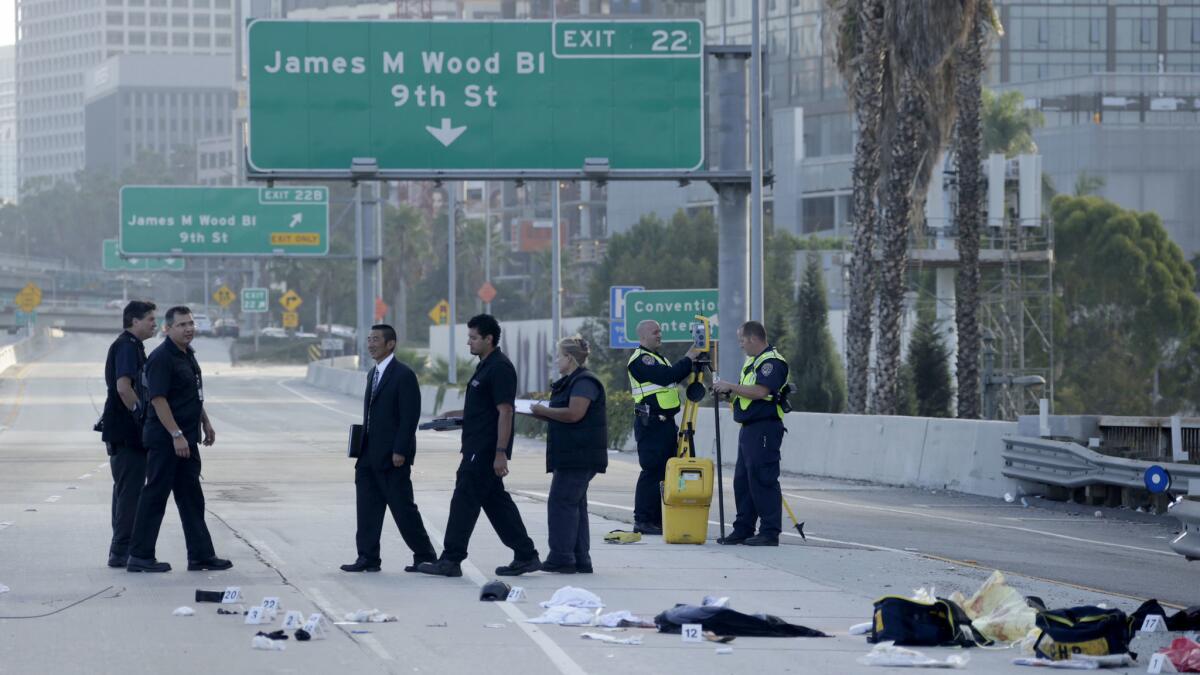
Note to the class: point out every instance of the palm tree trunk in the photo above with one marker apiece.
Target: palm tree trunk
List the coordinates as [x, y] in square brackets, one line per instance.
[969, 214]
[868, 106]
[898, 210]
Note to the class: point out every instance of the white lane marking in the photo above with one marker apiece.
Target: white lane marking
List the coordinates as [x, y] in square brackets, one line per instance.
[84, 476]
[561, 660]
[315, 401]
[369, 640]
[53, 498]
[980, 523]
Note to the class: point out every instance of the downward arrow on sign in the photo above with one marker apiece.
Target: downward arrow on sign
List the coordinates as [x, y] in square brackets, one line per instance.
[446, 134]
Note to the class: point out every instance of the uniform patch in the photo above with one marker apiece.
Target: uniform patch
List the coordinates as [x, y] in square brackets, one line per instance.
[474, 383]
[648, 360]
[767, 368]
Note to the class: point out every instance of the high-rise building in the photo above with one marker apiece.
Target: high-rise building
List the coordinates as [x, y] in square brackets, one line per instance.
[60, 42]
[8, 124]
[138, 103]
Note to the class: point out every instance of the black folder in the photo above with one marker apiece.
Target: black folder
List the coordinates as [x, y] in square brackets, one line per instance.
[354, 446]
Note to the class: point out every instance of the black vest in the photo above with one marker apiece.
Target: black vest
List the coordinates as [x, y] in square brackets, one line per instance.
[584, 444]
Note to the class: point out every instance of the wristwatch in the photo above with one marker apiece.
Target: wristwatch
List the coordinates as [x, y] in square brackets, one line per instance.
[178, 433]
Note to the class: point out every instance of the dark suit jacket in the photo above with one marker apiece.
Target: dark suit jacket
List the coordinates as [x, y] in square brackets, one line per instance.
[394, 412]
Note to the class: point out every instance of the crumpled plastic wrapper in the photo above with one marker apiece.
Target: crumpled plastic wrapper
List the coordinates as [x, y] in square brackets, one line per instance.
[369, 616]
[888, 654]
[267, 644]
[1184, 654]
[998, 611]
[184, 611]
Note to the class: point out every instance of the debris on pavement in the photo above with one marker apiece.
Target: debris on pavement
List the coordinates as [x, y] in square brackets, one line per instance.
[4, 589]
[274, 635]
[888, 654]
[209, 596]
[622, 537]
[726, 621]
[722, 639]
[623, 619]
[860, 628]
[1184, 654]
[302, 635]
[998, 611]
[184, 611]
[724, 650]
[494, 591]
[1080, 662]
[494, 625]
[265, 643]
[369, 616]
[569, 596]
[633, 640]
[565, 615]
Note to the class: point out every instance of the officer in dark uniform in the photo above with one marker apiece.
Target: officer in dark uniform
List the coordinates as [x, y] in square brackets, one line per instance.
[172, 438]
[124, 412]
[487, 442]
[652, 380]
[756, 406]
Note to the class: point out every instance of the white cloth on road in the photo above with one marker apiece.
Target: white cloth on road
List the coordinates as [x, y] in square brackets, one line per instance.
[566, 616]
[570, 596]
[632, 640]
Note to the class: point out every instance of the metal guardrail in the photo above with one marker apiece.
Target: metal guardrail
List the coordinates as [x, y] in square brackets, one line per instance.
[1071, 465]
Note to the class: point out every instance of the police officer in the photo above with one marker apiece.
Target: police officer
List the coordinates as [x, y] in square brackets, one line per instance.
[172, 438]
[487, 443]
[652, 379]
[756, 407]
[124, 411]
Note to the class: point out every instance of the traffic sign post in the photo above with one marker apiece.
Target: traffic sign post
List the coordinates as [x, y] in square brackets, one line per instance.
[28, 298]
[224, 297]
[291, 301]
[291, 319]
[440, 313]
[224, 221]
[616, 317]
[488, 96]
[674, 310]
[113, 261]
[254, 300]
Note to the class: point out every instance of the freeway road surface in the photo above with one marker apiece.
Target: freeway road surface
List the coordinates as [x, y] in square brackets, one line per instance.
[281, 506]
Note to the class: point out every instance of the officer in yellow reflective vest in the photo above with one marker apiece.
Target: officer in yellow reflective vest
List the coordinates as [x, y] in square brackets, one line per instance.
[755, 401]
[652, 379]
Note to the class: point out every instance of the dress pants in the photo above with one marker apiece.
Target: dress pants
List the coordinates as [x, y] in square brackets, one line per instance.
[477, 487]
[378, 490]
[167, 473]
[567, 518]
[128, 467]
[657, 442]
[756, 480]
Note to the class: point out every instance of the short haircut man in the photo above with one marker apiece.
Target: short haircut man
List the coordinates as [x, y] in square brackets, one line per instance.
[177, 310]
[136, 309]
[389, 333]
[485, 325]
[754, 329]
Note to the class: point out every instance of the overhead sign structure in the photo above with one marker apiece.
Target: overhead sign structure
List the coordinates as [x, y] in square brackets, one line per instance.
[453, 95]
[616, 318]
[440, 314]
[224, 297]
[29, 297]
[254, 300]
[674, 310]
[114, 262]
[291, 301]
[224, 221]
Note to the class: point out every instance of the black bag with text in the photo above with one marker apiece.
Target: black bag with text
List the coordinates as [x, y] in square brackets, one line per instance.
[909, 623]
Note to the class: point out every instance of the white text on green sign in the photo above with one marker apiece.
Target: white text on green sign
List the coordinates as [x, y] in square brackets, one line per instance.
[224, 221]
[674, 310]
[443, 95]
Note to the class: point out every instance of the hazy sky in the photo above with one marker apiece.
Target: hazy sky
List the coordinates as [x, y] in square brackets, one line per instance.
[8, 16]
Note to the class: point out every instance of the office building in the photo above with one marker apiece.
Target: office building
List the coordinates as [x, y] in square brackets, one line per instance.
[8, 124]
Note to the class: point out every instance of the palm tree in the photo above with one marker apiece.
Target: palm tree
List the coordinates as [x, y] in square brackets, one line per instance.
[1006, 129]
[921, 38]
[861, 59]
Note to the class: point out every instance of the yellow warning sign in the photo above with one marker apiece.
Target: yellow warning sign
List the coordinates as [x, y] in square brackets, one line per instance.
[291, 301]
[224, 296]
[440, 313]
[291, 319]
[29, 297]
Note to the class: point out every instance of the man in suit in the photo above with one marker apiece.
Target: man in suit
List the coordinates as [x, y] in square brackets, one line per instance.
[383, 472]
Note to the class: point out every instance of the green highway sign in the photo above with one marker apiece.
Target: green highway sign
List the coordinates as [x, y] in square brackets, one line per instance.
[487, 95]
[254, 300]
[675, 310]
[113, 262]
[224, 221]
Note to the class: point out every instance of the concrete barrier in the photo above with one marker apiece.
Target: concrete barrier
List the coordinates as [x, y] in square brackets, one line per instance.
[23, 350]
[354, 383]
[942, 454]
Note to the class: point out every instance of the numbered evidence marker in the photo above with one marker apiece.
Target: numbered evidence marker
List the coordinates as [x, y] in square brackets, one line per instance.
[692, 632]
[270, 607]
[232, 595]
[254, 616]
[516, 594]
[1153, 623]
[1159, 663]
[293, 620]
[315, 626]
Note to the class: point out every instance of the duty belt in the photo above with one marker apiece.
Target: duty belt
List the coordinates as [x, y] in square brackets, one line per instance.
[644, 411]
